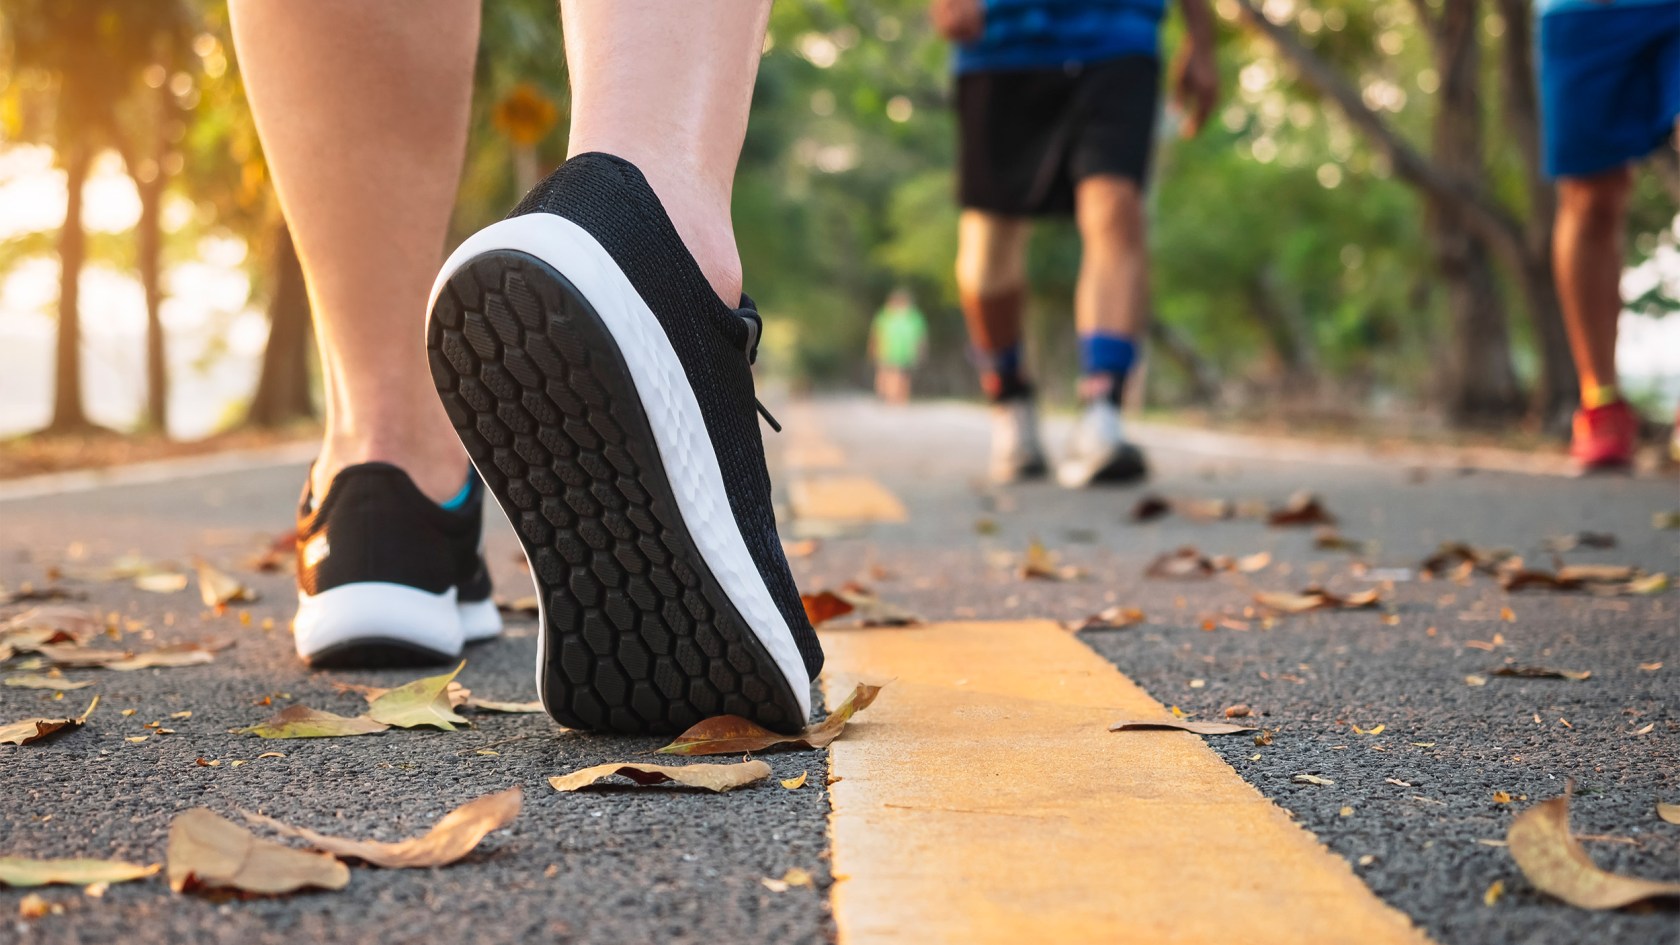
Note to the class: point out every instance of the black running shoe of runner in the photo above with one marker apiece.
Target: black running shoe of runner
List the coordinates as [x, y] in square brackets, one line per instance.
[606, 396]
[386, 576]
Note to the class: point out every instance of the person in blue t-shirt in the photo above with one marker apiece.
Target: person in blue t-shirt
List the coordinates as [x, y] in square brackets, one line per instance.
[1609, 95]
[1056, 106]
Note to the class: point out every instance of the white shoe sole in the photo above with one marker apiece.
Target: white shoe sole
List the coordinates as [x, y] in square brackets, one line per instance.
[371, 623]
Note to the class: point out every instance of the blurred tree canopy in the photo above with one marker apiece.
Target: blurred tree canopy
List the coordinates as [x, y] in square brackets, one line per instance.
[1361, 229]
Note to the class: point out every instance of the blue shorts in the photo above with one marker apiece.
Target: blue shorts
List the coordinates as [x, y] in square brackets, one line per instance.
[1609, 85]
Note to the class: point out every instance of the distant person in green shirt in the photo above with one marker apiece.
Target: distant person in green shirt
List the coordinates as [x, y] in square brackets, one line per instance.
[897, 344]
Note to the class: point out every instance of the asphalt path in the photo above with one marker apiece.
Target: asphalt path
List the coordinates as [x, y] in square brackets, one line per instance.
[656, 864]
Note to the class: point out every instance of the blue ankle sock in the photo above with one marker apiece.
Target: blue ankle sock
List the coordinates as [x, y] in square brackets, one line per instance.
[460, 498]
[1110, 356]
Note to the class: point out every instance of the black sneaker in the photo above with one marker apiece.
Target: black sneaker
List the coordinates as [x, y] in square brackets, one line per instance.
[605, 395]
[386, 576]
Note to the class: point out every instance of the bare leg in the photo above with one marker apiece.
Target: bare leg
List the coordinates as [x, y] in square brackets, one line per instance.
[1112, 295]
[992, 280]
[1587, 254]
[363, 111]
[667, 87]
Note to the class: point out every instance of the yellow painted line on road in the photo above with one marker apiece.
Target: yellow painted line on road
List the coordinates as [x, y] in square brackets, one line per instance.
[844, 498]
[981, 799]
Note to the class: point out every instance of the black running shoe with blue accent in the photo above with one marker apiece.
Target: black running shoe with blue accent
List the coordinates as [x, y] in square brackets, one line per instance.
[605, 395]
[386, 576]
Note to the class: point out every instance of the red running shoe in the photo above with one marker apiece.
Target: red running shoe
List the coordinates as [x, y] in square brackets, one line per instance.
[1604, 437]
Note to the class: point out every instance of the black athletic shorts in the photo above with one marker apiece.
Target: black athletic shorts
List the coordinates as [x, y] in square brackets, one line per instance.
[1026, 137]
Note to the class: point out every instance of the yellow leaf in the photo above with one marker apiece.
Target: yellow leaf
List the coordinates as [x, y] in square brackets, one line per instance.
[36, 681]
[794, 784]
[218, 589]
[18, 871]
[715, 778]
[1669, 812]
[1493, 893]
[450, 838]
[422, 702]
[209, 852]
[303, 722]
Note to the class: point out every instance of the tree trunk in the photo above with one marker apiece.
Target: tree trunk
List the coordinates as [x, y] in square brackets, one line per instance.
[149, 237]
[1481, 386]
[69, 415]
[283, 389]
[1554, 391]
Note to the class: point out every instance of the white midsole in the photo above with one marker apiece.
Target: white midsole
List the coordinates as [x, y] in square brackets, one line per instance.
[673, 413]
[377, 610]
[480, 620]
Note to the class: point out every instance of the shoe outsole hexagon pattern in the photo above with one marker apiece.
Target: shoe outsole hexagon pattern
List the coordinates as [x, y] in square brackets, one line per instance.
[638, 636]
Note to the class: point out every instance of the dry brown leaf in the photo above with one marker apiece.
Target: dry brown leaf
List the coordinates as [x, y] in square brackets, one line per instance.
[1454, 553]
[161, 582]
[450, 839]
[300, 721]
[1317, 598]
[1556, 863]
[17, 871]
[507, 708]
[277, 556]
[184, 654]
[733, 735]
[1184, 563]
[29, 731]
[1558, 544]
[1149, 508]
[1669, 812]
[1238, 711]
[1183, 725]
[871, 610]
[1312, 779]
[49, 681]
[1111, 618]
[1542, 672]
[1039, 564]
[1248, 564]
[209, 852]
[823, 606]
[715, 778]
[1326, 538]
[218, 588]
[1303, 508]
[793, 877]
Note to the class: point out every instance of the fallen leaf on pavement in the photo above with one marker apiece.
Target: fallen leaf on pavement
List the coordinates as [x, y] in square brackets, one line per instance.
[17, 871]
[871, 610]
[1040, 564]
[424, 701]
[1556, 863]
[715, 778]
[790, 879]
[1183, 725]
[1248, 564]
[1149, 508]
[1558, 544]
[277, 556]
[733, 735]
[183, 654]
[162, 582]
[38, 681]
[1312, 779]
[209, 852]
[507, 708]
[794, 784]
[1303, 508]
[29, 593]
[1238, 711]
[1456, 552]
[1328, 539]
[219, 589]
[1317, 598]
[1662, 520]
[1184, 563]
[300, 721]
[28, 731]
[1110, 618]
[1542, 672]
[459, 695]
[1669, 812]
[823, 606]
[451, 838]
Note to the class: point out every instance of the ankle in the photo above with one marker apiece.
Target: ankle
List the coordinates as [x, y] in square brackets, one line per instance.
[437, 467]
